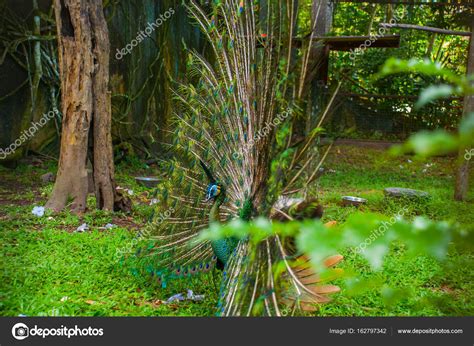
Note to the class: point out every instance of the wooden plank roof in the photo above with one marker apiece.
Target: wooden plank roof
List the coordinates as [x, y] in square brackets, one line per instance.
[345, 43]
[414, 2]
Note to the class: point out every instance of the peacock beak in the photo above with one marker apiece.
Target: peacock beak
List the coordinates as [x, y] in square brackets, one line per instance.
[208, 198]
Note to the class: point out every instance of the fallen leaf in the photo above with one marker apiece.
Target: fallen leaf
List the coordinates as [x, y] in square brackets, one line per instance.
[330, 224]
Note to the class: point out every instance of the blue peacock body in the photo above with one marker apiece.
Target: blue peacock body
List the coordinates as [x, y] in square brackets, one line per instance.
[235, 158]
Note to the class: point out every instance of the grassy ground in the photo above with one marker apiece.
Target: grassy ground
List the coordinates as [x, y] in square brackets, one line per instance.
[420, 287]
[47, 269]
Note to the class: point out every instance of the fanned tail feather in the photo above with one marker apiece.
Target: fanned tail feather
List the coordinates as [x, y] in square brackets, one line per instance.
[225, 117]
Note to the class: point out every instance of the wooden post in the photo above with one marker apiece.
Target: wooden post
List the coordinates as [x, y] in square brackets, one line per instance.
[462, 174]
[317, 78]
[321, 21]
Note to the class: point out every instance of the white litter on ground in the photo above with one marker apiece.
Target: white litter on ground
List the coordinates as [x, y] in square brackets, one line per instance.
[38, 211]
[82, 228]
[181, 297]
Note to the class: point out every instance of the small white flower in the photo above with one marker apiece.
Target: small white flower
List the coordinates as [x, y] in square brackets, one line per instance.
[154, 201]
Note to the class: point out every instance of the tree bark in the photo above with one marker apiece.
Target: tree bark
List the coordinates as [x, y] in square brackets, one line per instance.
[462, 174]
[389, 13]
[84, 70]
[103, 152]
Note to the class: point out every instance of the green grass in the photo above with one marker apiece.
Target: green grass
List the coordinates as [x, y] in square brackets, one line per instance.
[47, 269]
[41, 268]
[420, 287]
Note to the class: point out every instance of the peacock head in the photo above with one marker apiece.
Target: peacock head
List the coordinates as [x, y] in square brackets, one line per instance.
[214, 192]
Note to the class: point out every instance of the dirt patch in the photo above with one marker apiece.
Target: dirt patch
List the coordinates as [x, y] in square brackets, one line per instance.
[362, 143]
[126, 223]
[24, 190]
[11, 193]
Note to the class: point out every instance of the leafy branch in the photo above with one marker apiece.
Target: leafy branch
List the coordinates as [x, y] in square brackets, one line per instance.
[368, 234]
[439, 142]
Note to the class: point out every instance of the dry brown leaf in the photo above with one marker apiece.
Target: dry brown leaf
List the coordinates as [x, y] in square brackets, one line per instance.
[330, 224]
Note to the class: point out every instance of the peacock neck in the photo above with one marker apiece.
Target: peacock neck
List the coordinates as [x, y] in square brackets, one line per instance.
[214, 215]
[222, 248]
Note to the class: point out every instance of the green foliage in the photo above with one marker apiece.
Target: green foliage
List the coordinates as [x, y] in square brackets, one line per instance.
[427, 67]
[437, 142]
[368, 235]
[357, 74]
[434, 92]
[460, 84]
[427, 144]
[375, 232]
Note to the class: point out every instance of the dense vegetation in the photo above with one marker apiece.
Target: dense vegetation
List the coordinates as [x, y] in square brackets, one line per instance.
[184, 108]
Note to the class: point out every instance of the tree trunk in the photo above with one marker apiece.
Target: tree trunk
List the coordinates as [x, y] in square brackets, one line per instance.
[431, 43]
[103, 152]
[462, 174]
[373, 11]
[389, 13]
[83, 44]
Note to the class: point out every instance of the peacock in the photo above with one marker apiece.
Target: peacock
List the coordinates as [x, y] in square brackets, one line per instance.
[235, 156]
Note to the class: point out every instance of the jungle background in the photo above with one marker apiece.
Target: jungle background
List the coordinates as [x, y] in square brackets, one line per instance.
[49, 269]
